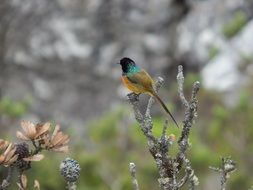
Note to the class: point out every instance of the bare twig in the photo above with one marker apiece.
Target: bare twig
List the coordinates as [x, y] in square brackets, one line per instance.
[189, 176]
[190, 114]
[132, 169]
[164, 141]
[165, 127]
[134, 100]
[37, 149]
[180, 80]
[227, 167]
[7, 181]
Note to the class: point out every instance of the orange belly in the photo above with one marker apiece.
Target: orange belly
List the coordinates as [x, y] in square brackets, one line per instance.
[136, 88]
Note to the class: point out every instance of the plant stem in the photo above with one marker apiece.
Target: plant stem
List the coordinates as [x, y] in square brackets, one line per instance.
[6, 182]
[132, 169]
[71, 186]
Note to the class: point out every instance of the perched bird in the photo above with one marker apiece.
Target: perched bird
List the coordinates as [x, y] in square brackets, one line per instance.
[139, 81]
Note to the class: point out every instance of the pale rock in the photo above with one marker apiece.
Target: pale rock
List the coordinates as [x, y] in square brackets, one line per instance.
[42, 89]
[156, 43]
[221, 73]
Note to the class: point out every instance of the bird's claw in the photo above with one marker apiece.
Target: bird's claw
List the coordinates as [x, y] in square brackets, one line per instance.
[133, 96]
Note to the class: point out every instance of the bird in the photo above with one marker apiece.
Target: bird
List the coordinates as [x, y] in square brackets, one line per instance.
[139, 81]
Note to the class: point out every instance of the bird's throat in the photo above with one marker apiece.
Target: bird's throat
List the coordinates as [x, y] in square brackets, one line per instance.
[131, 69]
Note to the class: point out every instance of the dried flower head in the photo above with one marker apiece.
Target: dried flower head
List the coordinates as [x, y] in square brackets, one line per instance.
[3, 144]
[22, 149]
[70, 170]
[58, 141]
[23, 182]
[32, 131]
[34, 158]
[9, 156]
[36, 184]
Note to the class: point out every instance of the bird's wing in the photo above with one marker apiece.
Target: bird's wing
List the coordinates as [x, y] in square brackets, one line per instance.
[142, 79]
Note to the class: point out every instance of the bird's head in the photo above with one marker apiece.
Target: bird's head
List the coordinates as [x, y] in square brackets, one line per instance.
[128, 65]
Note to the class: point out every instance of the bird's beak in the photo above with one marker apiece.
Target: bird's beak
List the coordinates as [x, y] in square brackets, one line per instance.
[118, 63]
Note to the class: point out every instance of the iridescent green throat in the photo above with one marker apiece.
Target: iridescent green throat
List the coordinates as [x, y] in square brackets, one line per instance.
[133, 69]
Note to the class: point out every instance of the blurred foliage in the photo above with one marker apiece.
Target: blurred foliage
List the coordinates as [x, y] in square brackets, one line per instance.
[117, 142]
[236, 23]
[13, 109]
[213, 52]
[114, 140]
[230, 133]
[190, 78]
[46, 172]
[247, 59]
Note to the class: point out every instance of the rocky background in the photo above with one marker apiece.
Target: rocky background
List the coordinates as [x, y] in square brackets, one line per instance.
[61, 54]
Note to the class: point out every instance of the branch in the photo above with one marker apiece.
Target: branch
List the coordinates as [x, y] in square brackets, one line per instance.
[180, 81]
[164, 141]
[132, 169]
[144, 121]
[37, 149]
[151, 101]
[189, 175]
[227, 167]
[190, 114]
[169, 167]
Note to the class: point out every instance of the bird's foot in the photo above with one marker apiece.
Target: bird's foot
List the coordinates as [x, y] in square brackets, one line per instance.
[133, 96]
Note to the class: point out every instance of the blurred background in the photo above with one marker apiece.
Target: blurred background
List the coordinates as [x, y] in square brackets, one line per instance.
[58, 63]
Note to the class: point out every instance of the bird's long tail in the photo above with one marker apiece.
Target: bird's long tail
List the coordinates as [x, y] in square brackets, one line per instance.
[164, 107]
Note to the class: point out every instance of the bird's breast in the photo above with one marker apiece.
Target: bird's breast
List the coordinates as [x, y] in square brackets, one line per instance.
[134, 87]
